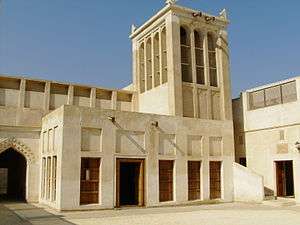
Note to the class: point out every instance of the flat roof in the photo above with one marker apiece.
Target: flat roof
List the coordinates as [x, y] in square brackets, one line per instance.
[65, 83]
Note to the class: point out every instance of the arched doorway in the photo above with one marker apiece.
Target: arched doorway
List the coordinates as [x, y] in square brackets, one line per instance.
[12, 175]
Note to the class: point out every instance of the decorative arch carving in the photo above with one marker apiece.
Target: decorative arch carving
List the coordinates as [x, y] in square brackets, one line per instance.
[18, 146]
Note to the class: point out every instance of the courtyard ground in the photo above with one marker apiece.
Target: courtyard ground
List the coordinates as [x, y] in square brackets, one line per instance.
[280, 212]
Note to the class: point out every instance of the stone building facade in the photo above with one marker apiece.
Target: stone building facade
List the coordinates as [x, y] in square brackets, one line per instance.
[266, 122]
[166, 139]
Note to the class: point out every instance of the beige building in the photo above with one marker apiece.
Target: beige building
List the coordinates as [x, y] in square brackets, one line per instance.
[267, 128]
[166, 139]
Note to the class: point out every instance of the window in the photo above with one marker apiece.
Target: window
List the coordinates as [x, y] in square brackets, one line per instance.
[185, 56]
[199, 58]
[215, 179]
[194, 180]
[166, 168]
[257, 99]
[48, 185]
[212, 60]
[164, 56]
[142, 68]
[289, 92]
[149, 63]
[275, 95]
[156, 60]
[89, 181]
[54, 172]
[44, 178]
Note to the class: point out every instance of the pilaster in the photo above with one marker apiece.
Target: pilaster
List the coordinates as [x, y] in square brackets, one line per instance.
[145, 65]
[152, 61]
[21, 102]
[93, 98]
[70, 95]
[224, 75]
[194, 72]
[114, 100]
[160, 58]
[135, 67]
[47, 96]
[174, 66]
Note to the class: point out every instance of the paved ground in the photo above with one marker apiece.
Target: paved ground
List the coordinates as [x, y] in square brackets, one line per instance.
[282, 212]
[26, 214]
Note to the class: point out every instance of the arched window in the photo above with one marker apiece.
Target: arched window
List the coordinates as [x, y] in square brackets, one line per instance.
[149, 63]
[212, 60]
[142, 67]
[185, 56]
[199, 57]
[164, 56]
[156, 60]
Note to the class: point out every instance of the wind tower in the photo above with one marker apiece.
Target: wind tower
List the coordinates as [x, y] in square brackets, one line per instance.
[181, 64]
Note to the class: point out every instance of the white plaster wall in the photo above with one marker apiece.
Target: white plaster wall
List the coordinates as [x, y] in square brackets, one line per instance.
[74, 118]
[51, 121]
[248, 186]
[155, 100]
[9, 97]
[262, 129]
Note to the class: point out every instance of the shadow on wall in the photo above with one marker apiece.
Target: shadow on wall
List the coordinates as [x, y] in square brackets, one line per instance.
[141, 148]
[130, 138]
[171, 142]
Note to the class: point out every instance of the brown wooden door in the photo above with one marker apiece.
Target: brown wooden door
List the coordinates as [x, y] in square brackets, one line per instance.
[280, 179]
[215, 179]
[166, 180]
[194, 180]
[89, 181]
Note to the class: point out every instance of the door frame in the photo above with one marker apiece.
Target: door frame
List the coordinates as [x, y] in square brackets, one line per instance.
[141, 190]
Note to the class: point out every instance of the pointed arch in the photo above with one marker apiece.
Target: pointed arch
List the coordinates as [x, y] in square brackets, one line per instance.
[18, 146]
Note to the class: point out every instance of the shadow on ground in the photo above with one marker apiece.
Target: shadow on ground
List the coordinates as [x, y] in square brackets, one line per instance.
[26, 214]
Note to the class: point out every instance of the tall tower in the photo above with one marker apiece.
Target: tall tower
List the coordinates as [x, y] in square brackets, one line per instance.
[181, 64]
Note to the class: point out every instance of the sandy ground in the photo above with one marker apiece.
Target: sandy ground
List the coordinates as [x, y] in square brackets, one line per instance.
[282, 212]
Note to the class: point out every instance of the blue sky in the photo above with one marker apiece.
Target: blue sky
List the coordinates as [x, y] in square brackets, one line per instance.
[86, 41]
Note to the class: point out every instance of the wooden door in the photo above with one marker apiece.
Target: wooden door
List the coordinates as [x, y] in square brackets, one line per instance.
[280, 179]
[141, 180]
[215, 179]
[89, 184]
[194, 180]
[166, 180]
